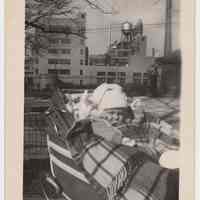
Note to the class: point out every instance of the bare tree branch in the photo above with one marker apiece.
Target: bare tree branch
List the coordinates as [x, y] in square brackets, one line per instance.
[37, 11]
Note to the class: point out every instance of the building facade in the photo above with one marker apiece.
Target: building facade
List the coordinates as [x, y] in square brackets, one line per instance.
[135, 72]
[65, 52]
[67, 58]
[119, 52]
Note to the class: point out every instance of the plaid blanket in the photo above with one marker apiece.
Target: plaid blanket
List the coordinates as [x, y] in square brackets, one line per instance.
[107, 165]
[112, 166]
[153, 182]
[123, 172]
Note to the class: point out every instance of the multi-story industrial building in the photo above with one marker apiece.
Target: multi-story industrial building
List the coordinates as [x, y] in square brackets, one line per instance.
[132, 42]
[135, 72]
[67, 57]
[65, 52]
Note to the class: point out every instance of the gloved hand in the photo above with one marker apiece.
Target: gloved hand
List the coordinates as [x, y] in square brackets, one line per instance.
[84, 107]
[128, 142]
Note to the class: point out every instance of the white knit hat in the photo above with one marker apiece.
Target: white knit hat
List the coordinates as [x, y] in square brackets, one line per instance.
[109, 96]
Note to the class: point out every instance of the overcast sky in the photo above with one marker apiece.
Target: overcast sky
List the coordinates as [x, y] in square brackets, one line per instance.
[150, 11]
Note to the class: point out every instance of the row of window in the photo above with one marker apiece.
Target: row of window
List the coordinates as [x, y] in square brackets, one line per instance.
[63, 41]
[59, 61]
[101, 79]
[135, 74]
[67, 71]
[111, 73]
[121, 54]
[63, 51]
[59, 40]
[110, 80]
[62, 61]
[59, 71]
[31, 61]
[59, 51]
[121, 78]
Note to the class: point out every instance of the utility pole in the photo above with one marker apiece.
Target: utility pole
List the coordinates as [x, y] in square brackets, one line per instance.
[168, 28]
[110, 35]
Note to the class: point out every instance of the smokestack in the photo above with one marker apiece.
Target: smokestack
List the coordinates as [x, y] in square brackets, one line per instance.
[168, 28]
[86, 56]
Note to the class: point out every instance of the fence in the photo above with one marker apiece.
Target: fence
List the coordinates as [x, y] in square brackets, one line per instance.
[35, 146]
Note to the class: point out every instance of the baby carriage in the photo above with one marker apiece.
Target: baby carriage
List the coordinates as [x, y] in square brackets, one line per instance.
[86, 166]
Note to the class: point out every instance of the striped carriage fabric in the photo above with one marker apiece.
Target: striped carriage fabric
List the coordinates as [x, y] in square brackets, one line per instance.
[68, 174]
[58, 118]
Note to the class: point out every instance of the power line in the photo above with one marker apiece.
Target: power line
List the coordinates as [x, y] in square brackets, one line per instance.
[150, 24]
[118, 27]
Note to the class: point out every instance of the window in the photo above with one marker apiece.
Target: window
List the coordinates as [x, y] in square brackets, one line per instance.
[52, 61]
[81, 62]
[110, 80]
[121, 73]
[64, 71]
[111, 73]
[145, 75]
[137, 77]
[59, 61]
[59, 71]
[100, 80]
[59, 51]
[81, 82]
[121, 77]
[122, 80]
[81, 51]
[52, 71]
[28, 73]
[29, 61]
[66, 51]
[81, 72]
[36, 70]
[53, 40]
[65, 41]
[145, 78]
[123, 53]
[101, 73]
[53, 51]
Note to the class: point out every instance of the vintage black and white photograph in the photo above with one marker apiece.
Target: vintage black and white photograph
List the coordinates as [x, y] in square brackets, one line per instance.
[102, 83]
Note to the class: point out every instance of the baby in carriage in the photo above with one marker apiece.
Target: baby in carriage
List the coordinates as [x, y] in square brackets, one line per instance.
[105, 141]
